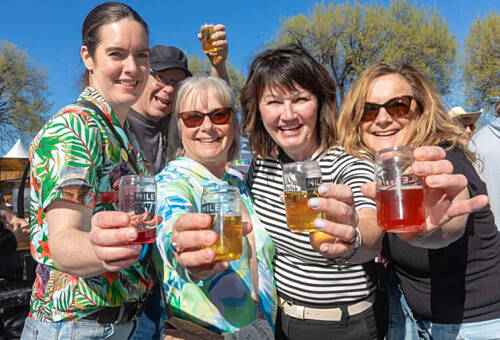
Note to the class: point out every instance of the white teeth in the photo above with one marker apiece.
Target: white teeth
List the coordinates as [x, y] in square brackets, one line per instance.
[129, 83]
[385, 133]
[288, 128]
[163, 101]
[211, 140]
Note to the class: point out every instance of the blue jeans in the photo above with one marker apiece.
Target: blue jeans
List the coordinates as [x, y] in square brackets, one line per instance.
[149, 325]
[404, 325]
[76, 330]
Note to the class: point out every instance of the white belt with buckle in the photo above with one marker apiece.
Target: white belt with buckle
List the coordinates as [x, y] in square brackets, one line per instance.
[322, 314]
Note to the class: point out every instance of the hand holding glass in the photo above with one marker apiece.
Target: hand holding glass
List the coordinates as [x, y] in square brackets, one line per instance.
[206, 39]
[138, 199]
[223, 204]
[300, 182]
[400, 194]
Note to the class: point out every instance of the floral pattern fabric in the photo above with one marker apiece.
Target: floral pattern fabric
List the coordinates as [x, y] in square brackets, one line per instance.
[76, 149]
[225, 301]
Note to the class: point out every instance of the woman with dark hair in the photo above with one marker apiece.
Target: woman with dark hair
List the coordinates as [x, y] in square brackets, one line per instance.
[324, 287]
[90, 283]
[442, 282]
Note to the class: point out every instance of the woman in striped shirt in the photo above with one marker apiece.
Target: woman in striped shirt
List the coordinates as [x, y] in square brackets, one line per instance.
[288, 113]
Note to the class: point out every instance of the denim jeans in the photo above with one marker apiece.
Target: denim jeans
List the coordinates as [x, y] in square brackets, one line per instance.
[76, 330]
[404, 325]
[149, 325]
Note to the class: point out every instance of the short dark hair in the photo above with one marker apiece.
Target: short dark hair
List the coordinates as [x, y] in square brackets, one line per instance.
[287, 66]
[103, 14]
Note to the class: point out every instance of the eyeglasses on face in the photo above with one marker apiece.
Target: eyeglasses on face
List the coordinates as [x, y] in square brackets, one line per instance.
[396, 107]
[471, 126]
[165, 81]
[195, 118]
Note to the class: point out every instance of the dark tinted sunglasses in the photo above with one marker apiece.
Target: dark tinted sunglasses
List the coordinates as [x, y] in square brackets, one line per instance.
[471, 126]
[195, 118]
[396, 107]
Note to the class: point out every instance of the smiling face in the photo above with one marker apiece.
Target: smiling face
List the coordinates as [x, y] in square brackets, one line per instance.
[207, 144]
[157, 99]
[289, 117]
[386, 131]
[120, 65]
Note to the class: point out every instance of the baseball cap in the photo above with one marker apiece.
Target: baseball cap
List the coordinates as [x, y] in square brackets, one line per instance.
[458, 112]
[166, 57]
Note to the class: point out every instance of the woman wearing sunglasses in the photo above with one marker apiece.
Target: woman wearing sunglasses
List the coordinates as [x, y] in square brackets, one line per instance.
[222, 296]
[442, 282]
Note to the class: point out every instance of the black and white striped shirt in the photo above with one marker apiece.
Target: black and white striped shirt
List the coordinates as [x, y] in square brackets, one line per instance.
[301, 273]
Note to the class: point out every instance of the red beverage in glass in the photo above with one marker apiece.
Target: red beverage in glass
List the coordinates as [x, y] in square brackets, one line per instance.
[145, 236]
[400, 211]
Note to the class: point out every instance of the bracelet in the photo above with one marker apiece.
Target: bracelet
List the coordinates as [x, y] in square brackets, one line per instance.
[342, 261]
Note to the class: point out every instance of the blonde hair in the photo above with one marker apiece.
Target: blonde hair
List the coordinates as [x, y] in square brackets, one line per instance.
[191, 91]
[434, 125]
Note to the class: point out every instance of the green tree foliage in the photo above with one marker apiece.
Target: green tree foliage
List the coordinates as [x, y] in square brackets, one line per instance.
[198, 65]
[23, 94]
[482, 62]
[348, 38]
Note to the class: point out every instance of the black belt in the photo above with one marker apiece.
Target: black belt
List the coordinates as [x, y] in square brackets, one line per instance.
[127, 312]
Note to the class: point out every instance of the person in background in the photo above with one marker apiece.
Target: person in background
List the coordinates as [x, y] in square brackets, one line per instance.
[148, 121]
[149, 117]
[465, 120]
[90, 283]
[441, 282]
[487, 145]
[14, 233]
[325, 288]
[234, 297]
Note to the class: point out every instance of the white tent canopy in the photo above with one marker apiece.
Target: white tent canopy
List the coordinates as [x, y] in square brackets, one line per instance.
[17, 151]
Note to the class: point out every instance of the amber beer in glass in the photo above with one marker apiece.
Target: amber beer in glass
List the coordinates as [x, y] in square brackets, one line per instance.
[400, 194]
[138, 198]
[222, 202]
[206, 38]
[300, 182]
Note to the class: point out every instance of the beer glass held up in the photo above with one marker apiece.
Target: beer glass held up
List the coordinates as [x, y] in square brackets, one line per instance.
[222, 202]
[400, 194]
[138, 199]
[206, 39]
[300, 182]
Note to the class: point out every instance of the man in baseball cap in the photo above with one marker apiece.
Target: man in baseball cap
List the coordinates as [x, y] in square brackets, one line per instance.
[465, 119]
[149, 117]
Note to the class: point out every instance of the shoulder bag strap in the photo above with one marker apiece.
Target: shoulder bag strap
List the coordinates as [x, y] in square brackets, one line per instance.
[131, 157]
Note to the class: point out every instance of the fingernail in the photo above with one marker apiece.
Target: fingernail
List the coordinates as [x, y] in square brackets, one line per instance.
[324, 249]
[137, 249]
[319, 224]
[432, 180]
[131, 234]
[322, 189]
[313, 203]
[418, 167]
[210, 238]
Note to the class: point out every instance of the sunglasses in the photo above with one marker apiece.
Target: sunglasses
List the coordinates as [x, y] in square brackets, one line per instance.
[471, 126]
[396, 107]
[164, 80]
[218, 116]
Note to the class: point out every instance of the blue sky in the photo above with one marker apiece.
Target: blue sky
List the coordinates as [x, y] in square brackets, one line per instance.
[49, 31]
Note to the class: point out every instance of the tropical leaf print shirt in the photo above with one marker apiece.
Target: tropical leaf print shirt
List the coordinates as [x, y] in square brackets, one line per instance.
[225, 301]
[76, 156]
